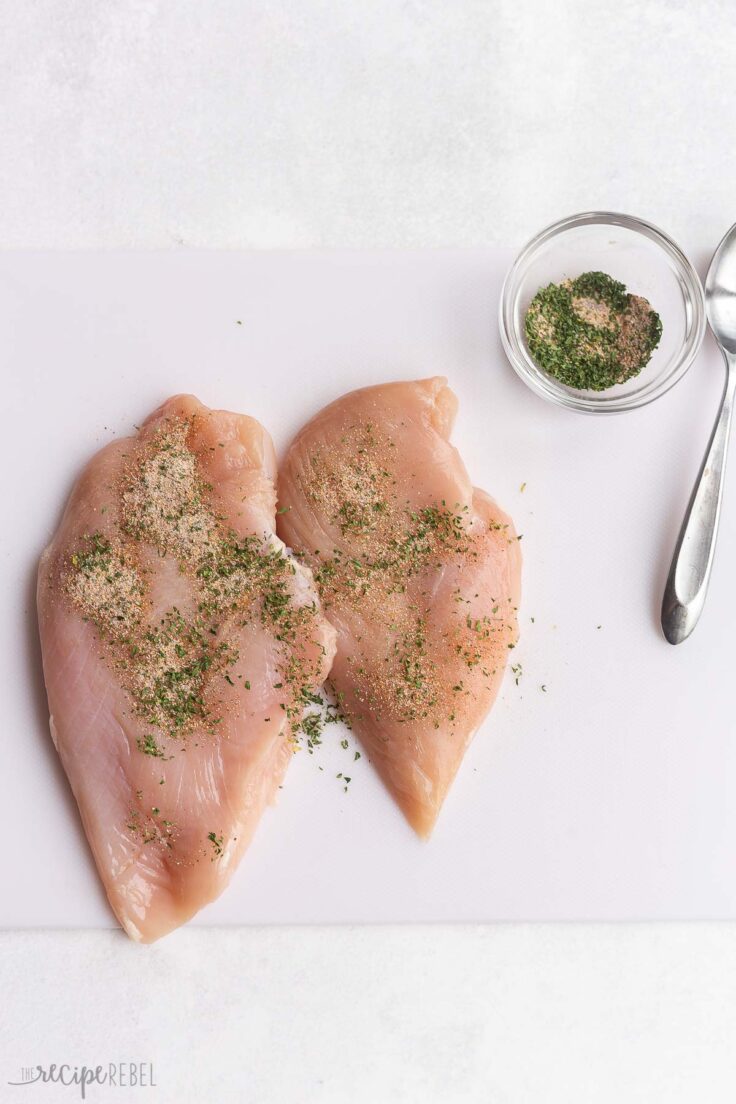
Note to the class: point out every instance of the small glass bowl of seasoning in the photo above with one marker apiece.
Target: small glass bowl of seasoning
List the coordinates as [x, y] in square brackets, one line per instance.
[602, 312]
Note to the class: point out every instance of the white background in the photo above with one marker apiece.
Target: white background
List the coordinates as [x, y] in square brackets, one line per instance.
[344, 123]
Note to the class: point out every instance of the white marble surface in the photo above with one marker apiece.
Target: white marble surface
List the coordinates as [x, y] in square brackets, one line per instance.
[383, 1015]
[326, 122]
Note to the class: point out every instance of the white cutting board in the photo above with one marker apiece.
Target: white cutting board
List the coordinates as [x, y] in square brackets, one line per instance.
[612, 795]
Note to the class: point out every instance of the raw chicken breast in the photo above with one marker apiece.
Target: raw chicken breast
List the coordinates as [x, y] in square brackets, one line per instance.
[179, 641]
[419, 573]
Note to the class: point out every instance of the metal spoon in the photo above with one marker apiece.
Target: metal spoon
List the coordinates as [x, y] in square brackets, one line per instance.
[687, 583]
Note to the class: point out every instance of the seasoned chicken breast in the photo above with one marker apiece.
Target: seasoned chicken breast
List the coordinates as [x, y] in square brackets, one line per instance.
[179, 644]
[419, 573]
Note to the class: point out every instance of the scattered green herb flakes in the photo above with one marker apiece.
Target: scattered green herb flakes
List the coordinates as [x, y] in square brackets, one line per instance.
[217, 843]
[310, 727]
[148, 745]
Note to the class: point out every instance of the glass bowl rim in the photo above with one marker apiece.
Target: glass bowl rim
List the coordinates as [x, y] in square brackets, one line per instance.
[548, 388]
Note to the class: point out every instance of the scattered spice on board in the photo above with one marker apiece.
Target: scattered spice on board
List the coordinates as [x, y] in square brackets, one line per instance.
[590, 333]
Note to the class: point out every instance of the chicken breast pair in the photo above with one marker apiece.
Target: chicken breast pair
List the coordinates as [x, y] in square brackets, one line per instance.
[185, 624]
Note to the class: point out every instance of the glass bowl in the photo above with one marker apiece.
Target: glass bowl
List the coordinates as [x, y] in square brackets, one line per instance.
[641, 257]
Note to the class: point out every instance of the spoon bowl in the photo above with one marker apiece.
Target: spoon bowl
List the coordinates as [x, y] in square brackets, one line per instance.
[720, 292]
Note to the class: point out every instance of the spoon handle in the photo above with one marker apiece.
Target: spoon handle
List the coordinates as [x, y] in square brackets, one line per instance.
[687, 582]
